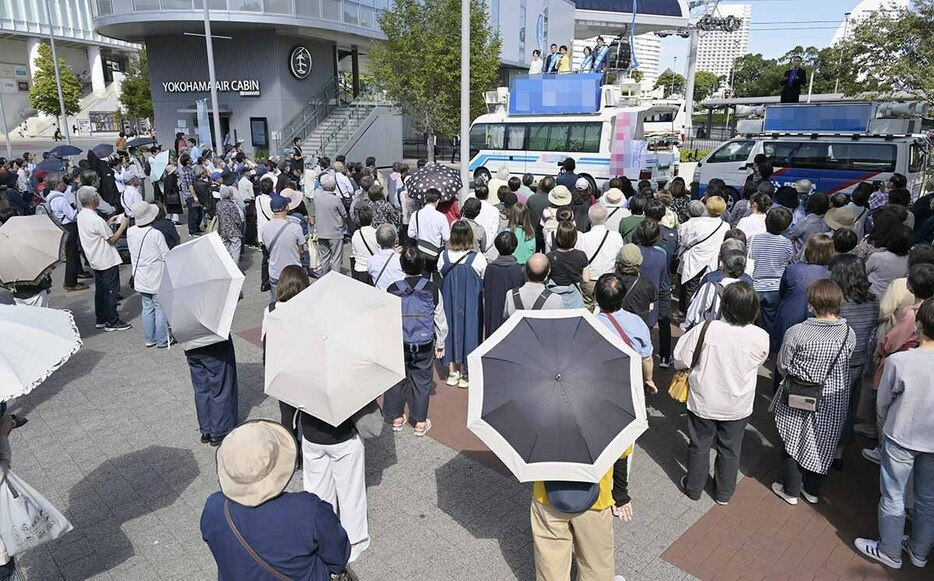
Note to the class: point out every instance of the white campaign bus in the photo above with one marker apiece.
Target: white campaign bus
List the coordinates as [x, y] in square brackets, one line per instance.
[537, 144]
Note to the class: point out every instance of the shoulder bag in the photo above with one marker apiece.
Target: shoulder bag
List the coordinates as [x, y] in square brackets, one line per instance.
[138, 254]
[246, 546]
[369, 421]
[425, 247]
[808, 396]
[678, 389]
[599, 248]
[705, 239]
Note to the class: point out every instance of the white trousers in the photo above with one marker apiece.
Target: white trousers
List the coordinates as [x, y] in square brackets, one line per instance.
[336, 473]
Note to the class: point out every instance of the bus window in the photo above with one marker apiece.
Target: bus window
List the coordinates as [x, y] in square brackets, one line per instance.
[810, 156]
[515, 137]
[487, 136]
[732, 151]
[585, 138]
[863, 156]
[548, 137]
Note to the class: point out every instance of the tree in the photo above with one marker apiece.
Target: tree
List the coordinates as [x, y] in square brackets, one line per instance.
[43, 95]
[890, 52]
[135, 94]
[756, 76]
[636, 75]
[418, 65]
[705, 83]
[672, 81]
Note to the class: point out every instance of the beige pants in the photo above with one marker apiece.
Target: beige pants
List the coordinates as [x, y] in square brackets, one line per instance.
[587, 289]
[591, 535]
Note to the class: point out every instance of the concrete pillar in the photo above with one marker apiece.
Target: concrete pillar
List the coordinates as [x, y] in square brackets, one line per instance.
[32, 47]
[96, 69]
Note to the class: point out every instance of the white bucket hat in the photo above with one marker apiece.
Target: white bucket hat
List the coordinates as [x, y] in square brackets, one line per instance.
[255, 462]
[144, 213]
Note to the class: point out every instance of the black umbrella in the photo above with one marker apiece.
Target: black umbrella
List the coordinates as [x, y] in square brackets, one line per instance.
[139, 141]
[556, 396]
[51, 164]
[435, 177]
[65, 151]
[102, 150]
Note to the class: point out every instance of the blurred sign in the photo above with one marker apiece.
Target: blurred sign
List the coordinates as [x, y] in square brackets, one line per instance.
[555, 94]
[14, 78]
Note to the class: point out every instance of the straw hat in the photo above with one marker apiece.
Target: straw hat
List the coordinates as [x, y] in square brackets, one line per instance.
[614, 196]
[144, 213]
[294, 197]
[255, 462]
[838, 218]
[560, 196]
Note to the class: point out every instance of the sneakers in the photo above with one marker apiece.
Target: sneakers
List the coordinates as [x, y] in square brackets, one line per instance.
[870, 548]
[453, 378]
[915, 560]
[118, 326]
[809, 497]
[664, 362]
[148, 345]
[100, 325]
[463, 383]
[779, 489]
[874, 455]
[866, 429]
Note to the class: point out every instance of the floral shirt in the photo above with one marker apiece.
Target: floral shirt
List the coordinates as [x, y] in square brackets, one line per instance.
[228, 220]
[385, 213]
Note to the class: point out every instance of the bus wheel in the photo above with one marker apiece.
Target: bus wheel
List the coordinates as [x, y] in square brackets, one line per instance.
[593, 185]
[481, 174]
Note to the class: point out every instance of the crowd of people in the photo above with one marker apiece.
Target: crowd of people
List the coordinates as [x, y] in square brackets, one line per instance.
[832, 294]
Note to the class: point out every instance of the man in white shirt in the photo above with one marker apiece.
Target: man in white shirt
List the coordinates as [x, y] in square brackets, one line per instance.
[284, 242]
[148, 249]
[488, 219]
[431, 226]
[64, 214]
[131, 194]
[263, 216]
[601, 245]
[246, 193]
[385, 267]
[98, 243]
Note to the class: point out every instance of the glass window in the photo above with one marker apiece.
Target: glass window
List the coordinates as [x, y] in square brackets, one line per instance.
[548, 137]
[366, 17]
[279, 6]
[862, 156]
[198, 4]
[310, 8]
[246, 5]
[179, 4]
[916, 158]
[732, 151]
[487, 136]
[515, 137]
[350, 12]
[584, 138]
[146, 5]
[331, 10]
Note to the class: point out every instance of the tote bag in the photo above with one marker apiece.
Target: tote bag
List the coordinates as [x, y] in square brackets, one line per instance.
[27, 519]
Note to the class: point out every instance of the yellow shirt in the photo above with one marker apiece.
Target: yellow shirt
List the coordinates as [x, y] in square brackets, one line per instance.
[605, 498]
[564, 64]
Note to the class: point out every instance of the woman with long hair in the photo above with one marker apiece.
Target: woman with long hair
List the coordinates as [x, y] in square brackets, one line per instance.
[519, 222]
[461, 270]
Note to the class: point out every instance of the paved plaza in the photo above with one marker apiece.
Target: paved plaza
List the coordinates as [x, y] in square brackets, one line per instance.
[113, 441]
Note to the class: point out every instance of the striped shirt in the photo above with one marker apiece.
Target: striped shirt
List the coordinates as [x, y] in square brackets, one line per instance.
[863, 319]
[771, 253]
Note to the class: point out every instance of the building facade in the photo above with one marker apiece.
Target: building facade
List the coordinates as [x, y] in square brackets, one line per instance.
[96, 60]
[718, 50]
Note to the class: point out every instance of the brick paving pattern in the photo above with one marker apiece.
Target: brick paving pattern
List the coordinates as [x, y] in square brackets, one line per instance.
[113, 441]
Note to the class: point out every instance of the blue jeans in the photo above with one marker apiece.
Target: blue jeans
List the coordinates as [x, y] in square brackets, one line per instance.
[195, 215]
[897, 466]
[768, 309]
[155, 327]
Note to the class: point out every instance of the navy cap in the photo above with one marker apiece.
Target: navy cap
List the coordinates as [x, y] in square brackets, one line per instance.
[572, 496]
[278, 203]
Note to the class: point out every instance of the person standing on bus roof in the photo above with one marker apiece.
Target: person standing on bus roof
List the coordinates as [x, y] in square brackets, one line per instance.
[536, 67]
[587, 64]
[551, 61]
[564, 61]
[600, 55]
[792, 81]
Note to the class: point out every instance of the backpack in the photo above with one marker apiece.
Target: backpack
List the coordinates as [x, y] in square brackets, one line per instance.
[713, 311]
[44, 208]
[418, 311]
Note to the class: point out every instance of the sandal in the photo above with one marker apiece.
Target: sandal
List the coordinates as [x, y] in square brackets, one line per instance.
[420, 433]
[401, 425]
[453, 378]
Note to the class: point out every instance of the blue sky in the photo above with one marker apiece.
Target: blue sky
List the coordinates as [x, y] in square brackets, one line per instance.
[777, 26]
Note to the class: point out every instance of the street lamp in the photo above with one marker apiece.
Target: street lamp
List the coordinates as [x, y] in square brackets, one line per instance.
[846, 26]
[218, 138]
[465, 97]
[58, 79]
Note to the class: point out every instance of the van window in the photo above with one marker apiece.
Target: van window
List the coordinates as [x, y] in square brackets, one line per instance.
[879, 157]
[548, 137]
[916, 157]
[515, 137]
[487, 136]
[732, 151]
[585, 138]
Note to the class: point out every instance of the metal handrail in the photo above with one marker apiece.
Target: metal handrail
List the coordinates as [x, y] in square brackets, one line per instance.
[357, 110]
[303, 123]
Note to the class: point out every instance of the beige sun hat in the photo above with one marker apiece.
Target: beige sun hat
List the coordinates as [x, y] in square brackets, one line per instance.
[294, 197]
[560, 196]
[614, 196]
[838, 218]
[144, 213]
[255, 462]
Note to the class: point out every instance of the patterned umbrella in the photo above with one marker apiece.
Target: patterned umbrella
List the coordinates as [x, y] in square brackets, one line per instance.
[435, 177]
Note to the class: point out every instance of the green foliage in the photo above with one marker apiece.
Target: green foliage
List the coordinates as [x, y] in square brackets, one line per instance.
[418, 65]
[705, 83]
[757, 76]
[693, 154]
[636, 75]
[890, 52]
[135, 95]
[672, 81]
[43, 95]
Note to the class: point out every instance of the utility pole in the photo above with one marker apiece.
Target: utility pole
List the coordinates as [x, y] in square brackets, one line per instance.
[218, 138]
[846, 26]
[58, 78]
[6, 130]
[465, 98]
[689, 84]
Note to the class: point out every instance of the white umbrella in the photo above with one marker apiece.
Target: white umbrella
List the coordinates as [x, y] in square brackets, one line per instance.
[199, 291]
[34, 342]
[556, 395]
[157, 168]
[30, 247]
[334, 347]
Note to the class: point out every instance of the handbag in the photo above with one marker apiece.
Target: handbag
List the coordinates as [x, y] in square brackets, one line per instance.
[369, 421]
[27, 519]
[259, 560]
[808, 396]
[678, 389]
